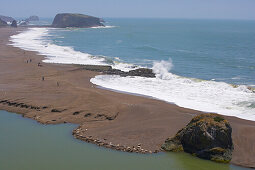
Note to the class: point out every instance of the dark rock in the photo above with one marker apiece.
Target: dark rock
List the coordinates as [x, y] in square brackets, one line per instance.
[206, 136]
[76, 113]
[102, 20]
[32, 18]
[99, 115]
[87, 114]
[56, 110]
[14, 24]
[143, 72]
[6, 18]
[112, 117]
[65, 20]
[3, 23]
[23, 23]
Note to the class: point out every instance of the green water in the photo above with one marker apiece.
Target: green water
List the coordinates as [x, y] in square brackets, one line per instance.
[26, 144]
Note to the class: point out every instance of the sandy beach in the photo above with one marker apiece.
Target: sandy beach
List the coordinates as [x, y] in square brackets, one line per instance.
[56, 93]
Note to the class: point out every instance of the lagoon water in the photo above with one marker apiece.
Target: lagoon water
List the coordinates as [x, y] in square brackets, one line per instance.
[28, 145]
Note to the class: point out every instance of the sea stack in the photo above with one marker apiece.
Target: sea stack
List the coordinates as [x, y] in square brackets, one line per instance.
[206, 136]
[65, 20]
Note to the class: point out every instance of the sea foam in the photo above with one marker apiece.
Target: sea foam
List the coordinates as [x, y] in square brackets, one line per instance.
[37, 39]
[103, 27]
[208, 96]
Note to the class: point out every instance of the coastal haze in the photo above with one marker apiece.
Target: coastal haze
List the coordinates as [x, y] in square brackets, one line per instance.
[217, 9]
[128, 80]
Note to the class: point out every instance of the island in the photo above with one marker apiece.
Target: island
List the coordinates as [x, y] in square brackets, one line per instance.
[65, 20]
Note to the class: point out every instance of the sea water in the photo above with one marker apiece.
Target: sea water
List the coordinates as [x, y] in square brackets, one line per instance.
[28, 145]
[207, 65]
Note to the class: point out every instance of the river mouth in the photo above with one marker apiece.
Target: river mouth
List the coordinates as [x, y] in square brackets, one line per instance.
[26, 144]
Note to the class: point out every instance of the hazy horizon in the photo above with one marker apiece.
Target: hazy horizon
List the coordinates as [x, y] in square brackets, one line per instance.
[176, 9]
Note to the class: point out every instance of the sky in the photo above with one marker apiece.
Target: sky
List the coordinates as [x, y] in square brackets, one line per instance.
[212, 9]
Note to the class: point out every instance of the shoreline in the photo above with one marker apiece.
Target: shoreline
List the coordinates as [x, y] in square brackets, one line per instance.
[122, 119]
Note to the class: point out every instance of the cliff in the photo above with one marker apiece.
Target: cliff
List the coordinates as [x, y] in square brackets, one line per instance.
[65, 20]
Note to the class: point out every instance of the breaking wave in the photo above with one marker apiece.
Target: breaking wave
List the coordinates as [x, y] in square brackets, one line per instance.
[38, 39]
[207, 96]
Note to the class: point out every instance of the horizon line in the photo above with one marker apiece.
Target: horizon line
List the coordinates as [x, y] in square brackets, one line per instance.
[111, 17]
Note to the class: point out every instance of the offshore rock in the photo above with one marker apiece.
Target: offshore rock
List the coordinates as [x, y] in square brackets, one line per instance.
[65, 20]
[206, 136]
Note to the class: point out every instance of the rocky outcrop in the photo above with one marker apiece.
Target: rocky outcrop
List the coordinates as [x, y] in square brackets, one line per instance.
[21, 105]
[27, 21]
[3, 23]
[6, 18]
[206, 136]
[23, 23]
[32, 18]
[14, 24]
[142, 72]
[65, 20]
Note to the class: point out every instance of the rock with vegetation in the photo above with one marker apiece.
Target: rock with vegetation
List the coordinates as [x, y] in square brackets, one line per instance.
[206, 136]
[65, 20]
[3, 23]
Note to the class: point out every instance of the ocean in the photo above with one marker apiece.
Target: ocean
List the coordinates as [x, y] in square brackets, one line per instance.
[207, 65]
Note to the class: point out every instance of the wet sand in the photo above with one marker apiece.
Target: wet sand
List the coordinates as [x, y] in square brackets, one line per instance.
[115, 120]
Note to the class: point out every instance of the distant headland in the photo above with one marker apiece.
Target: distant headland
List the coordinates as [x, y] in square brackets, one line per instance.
[61, 20]
[9, 21]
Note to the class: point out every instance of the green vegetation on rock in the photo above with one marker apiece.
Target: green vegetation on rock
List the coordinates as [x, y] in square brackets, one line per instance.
[206, 136]
[65, 20]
